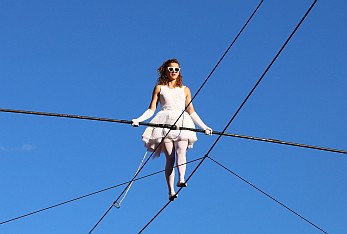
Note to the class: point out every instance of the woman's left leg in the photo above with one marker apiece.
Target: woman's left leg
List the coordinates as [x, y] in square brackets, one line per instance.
[181, 148]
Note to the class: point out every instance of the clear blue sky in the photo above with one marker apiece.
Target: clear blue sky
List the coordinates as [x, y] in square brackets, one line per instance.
[99, 58]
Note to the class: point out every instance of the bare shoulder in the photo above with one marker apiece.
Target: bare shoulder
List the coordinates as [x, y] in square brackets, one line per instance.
[186, 90]
[157, 89]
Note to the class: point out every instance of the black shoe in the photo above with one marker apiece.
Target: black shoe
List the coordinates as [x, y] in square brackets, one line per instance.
[173, 197]
[181, 184]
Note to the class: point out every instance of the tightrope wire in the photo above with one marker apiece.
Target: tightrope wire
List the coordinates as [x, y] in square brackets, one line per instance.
[255, 138]
[237, 111]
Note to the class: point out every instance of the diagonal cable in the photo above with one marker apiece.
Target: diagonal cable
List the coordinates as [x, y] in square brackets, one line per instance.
[266, 194]
[238, 110]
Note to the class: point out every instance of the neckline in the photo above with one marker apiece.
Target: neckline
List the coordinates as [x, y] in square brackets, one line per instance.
[174, 87]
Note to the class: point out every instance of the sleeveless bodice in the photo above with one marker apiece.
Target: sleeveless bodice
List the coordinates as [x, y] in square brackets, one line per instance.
[172, 102]
[172, 99]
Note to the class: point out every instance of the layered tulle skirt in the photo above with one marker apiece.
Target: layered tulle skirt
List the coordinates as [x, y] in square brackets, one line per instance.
[152, 136]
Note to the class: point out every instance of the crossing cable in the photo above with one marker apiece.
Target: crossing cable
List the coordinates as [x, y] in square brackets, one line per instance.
[266, 194]
[255, 138]
[236, 113]
[91, 194]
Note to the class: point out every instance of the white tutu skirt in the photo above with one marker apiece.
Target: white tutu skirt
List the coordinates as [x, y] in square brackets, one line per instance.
[152, 136]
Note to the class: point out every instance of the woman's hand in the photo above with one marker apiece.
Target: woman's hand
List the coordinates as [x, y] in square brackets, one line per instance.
[208, 131]
[135, 123]
[146, 115]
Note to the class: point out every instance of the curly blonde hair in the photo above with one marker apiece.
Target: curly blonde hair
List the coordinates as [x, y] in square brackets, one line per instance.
[163, 80]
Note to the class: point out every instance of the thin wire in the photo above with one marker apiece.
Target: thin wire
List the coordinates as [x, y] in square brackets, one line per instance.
[118, 204]
[269, 140]
[225, 53]
[238, 110]
[266, 194]
[184, 110]
[90, 194]
[156, 215]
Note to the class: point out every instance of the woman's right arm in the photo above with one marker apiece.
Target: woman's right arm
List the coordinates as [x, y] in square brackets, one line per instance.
[155, 98]
[151, 109]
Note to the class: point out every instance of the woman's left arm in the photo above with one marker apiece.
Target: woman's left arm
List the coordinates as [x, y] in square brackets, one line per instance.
[190, 108]
[195, 117]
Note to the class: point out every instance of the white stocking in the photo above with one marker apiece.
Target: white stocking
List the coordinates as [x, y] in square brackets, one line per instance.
[181, 148]
[169, 167]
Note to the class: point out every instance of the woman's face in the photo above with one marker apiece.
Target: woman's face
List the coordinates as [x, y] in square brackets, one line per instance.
[172, 71]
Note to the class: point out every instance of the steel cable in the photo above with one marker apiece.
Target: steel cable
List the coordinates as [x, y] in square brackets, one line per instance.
[266, 194]
[235, 135]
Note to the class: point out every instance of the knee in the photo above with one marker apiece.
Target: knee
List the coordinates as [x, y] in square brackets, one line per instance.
[181, 152]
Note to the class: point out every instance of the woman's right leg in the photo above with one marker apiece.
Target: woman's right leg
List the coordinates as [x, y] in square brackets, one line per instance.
[169, 152]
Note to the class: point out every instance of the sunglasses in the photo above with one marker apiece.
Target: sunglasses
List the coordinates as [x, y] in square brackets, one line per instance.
[173, 69]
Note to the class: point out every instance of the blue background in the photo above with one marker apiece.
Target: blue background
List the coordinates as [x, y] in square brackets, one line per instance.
[99, 58]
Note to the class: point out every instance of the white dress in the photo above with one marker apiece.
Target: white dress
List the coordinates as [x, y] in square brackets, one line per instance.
[172, 102]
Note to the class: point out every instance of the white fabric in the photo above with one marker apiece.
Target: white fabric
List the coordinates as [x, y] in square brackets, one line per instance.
[169, 149]
[181, 148]
[169, 166]
[146, 115]
[172, 102]
[195, 117]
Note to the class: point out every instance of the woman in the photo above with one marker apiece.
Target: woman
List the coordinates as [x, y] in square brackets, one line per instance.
[173, 98]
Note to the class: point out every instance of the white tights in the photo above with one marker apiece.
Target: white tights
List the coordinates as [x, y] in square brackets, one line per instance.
[180, 148]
